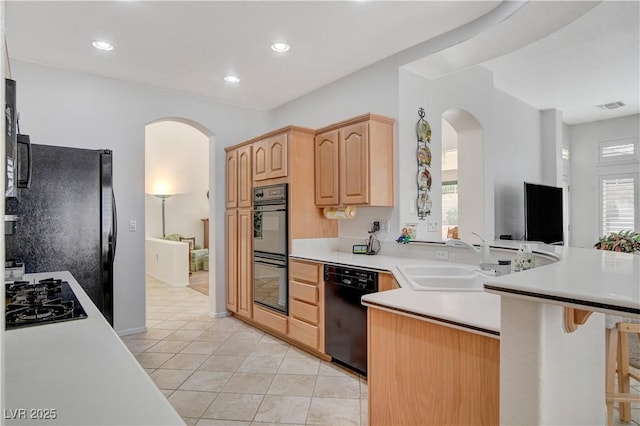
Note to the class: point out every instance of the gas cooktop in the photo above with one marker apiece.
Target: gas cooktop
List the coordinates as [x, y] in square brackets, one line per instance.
[47, 301]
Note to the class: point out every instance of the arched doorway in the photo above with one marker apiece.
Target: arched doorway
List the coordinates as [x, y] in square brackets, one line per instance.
[177, 187]
[463, 172]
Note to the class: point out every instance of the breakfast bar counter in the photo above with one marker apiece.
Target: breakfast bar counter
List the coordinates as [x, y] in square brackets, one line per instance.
[77, 372]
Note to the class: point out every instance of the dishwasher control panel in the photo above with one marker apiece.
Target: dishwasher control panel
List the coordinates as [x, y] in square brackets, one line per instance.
[351, 277]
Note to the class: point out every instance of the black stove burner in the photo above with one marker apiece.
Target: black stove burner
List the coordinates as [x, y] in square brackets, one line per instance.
[49, 300]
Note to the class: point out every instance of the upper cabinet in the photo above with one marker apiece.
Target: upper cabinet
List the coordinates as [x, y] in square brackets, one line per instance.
[270, 158]
[354, 162]
[239, 183]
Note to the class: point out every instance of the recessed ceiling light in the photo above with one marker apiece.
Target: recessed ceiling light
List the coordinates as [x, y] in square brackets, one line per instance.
[232, 79]
[611, 105]
[102, 45]
[280, 47]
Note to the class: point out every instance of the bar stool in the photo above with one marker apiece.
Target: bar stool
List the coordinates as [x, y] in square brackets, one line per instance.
[618, 354]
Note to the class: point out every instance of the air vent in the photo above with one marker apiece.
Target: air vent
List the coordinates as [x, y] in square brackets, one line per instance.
[612, 105]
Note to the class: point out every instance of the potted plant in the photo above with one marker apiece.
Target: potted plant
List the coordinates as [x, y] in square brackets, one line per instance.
[623, 241]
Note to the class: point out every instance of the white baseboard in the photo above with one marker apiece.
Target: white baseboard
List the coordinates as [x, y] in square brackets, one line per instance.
[131, 331]
[219, 314]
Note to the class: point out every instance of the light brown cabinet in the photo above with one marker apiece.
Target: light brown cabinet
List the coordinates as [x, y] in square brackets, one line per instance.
[440, 375]
[270, 158]
[354, 162]
[306, 304]
[239, 236]
[386, 282]
[239, 184]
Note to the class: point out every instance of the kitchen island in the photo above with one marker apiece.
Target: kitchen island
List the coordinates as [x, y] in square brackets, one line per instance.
[77, 372]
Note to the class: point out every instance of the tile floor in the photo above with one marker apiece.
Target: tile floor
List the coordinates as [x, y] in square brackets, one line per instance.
[222, 371]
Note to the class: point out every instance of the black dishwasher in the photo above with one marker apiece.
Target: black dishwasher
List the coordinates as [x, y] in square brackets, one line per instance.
[345, 317]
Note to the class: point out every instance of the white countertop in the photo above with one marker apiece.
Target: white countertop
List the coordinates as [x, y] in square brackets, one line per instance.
[82, 370]
[476, 312]
[596, 280]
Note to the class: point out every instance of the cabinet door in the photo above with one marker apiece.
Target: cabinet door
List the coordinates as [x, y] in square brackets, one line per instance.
[260, 160]
[245, 184]
[245, 262]
[326, 162]
[354, 164]
[232, 179]
[277, 157]
[232, 259]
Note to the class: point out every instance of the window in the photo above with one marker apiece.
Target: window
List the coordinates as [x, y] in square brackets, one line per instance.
[619, 203]
[622, 150]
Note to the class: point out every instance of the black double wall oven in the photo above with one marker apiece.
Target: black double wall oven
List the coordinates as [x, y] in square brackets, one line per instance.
[270, 248]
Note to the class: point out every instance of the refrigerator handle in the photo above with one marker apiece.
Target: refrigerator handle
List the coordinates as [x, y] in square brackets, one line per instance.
[26, 183]
[114, 222]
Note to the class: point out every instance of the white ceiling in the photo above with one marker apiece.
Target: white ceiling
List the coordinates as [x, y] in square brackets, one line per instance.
[575, 54]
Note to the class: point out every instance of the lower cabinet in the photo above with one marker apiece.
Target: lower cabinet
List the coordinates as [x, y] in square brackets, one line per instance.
[271, 320]
[306, 304]
[239, 235]
[422, 373]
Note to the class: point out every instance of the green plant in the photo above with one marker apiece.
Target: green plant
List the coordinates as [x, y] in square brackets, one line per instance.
[623, 241]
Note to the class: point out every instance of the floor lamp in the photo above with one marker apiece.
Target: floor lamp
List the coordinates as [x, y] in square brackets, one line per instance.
[163, 197]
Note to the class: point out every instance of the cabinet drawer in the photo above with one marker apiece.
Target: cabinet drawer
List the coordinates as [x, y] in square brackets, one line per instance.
[304, 333]
[302, 271]
[270, 319]
[305, 292]
[303, 311]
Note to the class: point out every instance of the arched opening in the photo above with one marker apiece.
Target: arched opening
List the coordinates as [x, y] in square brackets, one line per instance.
[177, 204]
[463, 202]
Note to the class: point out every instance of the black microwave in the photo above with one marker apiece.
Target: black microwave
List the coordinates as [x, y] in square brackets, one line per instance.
[16, 146]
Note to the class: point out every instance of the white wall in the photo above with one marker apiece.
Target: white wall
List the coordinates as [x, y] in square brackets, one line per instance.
[585, 172]
[511, 145]
[176, 162]
[80, 110]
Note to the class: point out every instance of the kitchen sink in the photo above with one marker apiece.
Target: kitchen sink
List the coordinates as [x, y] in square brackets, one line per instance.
[443, 277]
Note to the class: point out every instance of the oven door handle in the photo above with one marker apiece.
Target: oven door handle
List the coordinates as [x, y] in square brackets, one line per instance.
[274, 265]
[264, 210]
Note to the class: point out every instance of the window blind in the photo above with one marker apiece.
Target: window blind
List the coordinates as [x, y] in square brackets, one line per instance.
[618, 202]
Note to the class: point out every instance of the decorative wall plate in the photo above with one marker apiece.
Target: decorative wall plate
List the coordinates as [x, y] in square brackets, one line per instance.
[424, 179]
[424, 202]
[424, 131]
[424, 156]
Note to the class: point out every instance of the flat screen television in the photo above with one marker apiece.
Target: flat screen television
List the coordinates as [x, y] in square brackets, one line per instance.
[543, 213]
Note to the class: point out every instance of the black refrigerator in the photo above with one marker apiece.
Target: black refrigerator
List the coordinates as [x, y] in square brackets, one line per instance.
[67, 219]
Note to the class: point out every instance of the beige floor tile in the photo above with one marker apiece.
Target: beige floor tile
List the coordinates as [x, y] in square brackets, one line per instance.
[295, 365]
[329, 369]
[227, 323]
[235, 348]
[269, 349]
[222, 363]
[337, 387]
[197, 325]
[185, 361]
[292, 385]
[149, 370]
[253, 383]
[190, 421]
[166, 392]
[364, 388]
[158, 315]
[210, 381]
[169, 379]
[139, 345]
[201, 347]
[216, 335]
[151, 334]
[184, 335]
[260, 364]
[283, 409]
[171, 324]
[294, 352]
[364, 412]
[152, 359]
[191, 404]
[168, 346]
[215, 422]
[334, 411]
[234, 406]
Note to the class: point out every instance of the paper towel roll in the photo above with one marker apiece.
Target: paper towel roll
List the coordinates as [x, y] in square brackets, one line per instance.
[339, 212]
